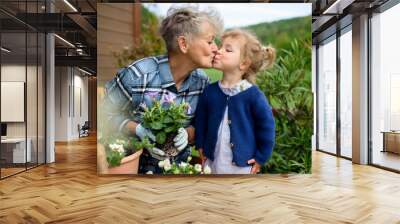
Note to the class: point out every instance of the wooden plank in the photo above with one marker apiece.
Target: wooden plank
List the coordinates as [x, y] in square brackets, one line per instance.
[70, 191]
[114, 25]
[123, 14]
[123, 39]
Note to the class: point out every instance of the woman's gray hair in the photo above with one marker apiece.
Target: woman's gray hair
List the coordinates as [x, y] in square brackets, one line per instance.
[186, 21]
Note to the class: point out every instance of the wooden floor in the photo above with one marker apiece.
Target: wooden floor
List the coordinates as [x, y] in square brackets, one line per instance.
[10, 171]
[70, 191]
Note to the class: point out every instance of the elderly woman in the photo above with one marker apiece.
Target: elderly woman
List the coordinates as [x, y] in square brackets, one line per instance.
[189, 36]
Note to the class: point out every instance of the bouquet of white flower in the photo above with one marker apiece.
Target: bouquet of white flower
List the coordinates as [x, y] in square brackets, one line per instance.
[183, 167]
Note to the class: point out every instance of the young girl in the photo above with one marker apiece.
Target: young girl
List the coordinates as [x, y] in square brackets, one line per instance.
[235, 130]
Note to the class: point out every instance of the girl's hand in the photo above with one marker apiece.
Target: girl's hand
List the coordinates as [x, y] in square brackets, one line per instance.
[202, 157]
[256, 166]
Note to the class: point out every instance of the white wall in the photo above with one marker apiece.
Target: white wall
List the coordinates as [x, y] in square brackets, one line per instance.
[314, 90]
[33, 126]
[12, 73]
[16, 73]
[61, 103]
[71, 93]
[80, 83]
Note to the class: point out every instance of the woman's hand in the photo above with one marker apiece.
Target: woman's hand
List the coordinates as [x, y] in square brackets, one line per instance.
[202, 157]
[181, 139]
[256, 166]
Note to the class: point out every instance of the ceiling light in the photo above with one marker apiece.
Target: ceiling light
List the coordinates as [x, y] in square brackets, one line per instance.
[86, 72]
[70, 5]
[338, 6]
[5, 49]
[65, 41]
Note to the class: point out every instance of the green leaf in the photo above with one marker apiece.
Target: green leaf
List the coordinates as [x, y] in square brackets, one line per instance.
[170, 129]
[161, 137]
[156, 125]
[114, 158]
[168, 119]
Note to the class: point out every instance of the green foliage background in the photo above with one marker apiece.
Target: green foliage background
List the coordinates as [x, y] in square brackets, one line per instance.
[287, 85]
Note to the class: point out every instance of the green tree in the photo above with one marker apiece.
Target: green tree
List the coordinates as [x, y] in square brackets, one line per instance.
[281, 33]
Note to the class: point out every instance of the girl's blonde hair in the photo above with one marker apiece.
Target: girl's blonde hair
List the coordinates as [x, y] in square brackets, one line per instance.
[261, 57]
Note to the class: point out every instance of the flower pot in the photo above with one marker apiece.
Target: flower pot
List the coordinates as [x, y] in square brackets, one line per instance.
[129, 165]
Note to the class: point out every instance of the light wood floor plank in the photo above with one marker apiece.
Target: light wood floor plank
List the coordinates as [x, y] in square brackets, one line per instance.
[69, 191]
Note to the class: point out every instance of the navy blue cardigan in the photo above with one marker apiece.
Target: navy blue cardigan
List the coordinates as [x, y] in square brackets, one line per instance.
[252, 126]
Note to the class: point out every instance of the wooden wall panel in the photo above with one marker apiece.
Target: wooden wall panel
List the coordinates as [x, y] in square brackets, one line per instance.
[114, 33]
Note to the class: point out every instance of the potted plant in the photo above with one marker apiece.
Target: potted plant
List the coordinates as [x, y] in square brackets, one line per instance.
[122, 154]
[164, 118]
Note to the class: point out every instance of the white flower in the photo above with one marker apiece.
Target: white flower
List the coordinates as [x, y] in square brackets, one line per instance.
[169, 97]
[207, 170]
[167, 162]
[167, 166]
[161, 163]
[183, 165]
[189, 158]
[149, 172]
[197, 167]
[121, 150]
[117, 148]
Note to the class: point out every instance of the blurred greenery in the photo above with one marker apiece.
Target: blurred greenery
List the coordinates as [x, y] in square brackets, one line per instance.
[282, 33]
[214, 74]
[288, 89]
[287, 85]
